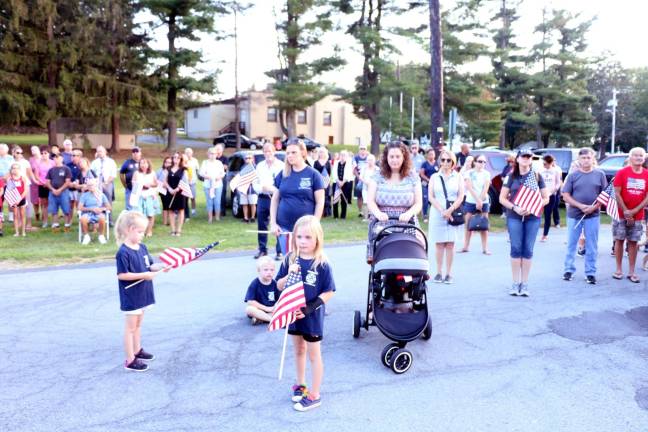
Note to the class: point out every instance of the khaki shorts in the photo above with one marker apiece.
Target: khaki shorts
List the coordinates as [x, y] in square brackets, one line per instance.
[245, 199]
[620, 231]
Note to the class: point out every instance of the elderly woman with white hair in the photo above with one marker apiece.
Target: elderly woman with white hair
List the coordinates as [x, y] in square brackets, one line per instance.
[323, 166]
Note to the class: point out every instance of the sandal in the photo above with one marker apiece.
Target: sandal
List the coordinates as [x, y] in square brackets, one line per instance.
[633, 278]
[464, 250]
[617, 276]
[487, 252]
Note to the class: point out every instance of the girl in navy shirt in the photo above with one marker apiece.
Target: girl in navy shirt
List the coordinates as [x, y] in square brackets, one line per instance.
[307, 332]
[134, 264]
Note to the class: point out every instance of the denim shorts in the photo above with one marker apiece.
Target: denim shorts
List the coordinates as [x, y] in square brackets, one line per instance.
[472, 208]
[522, 233]
[59, 202]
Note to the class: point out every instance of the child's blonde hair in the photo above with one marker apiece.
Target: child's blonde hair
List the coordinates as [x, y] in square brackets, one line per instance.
[263, 261]
[312, 224]
[127, 219]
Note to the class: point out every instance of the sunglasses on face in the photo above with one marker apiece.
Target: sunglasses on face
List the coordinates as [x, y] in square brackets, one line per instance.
[481, 161]
[525, 156]
[445, 160]
[18, 152]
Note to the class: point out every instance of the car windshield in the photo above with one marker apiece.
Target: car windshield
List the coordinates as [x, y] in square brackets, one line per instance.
[498, 161]
[613, 162]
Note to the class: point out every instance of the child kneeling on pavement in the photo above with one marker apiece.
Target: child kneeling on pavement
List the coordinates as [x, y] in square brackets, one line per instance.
[262, 294]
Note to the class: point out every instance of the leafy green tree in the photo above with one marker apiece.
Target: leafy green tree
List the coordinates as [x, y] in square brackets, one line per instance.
[295, 87]
[185, 20]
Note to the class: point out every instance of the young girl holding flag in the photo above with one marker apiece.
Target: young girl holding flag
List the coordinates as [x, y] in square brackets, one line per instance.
[307, 332]
[134, 263]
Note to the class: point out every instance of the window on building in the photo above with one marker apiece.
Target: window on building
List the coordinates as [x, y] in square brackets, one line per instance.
[327, 118]
[301, 116]
[358, 141]
[272, 114]
[195, 112]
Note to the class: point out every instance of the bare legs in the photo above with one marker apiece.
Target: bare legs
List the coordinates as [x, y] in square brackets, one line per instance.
[317, 365]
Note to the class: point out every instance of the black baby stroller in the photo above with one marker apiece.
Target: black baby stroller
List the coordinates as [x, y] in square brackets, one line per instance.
[396, 300]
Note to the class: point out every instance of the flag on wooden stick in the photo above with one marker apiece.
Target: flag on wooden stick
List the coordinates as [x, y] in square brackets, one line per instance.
[292, 299]
[529, 197]
[608, 199]
[185, 189]
[243, 179]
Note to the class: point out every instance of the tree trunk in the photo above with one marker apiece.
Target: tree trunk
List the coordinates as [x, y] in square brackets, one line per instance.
[375, 135]
[291, 125]
[172, 93]
[52, 102]
[282, 121]
[436, 75]
[114, 148]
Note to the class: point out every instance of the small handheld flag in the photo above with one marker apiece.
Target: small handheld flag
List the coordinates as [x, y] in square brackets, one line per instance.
[243, 179]
[529, 197]
[292, 299]
[176, 257]
[12, 196]
[185, 189]
[608, 199]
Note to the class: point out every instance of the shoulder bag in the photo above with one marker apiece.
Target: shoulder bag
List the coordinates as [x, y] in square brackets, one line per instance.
[478, 222]
[457, 214]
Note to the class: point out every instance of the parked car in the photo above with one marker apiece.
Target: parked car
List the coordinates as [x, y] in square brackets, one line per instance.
[310, 144]
[236, 162]
[611, 164]
[496, 161]
[229, 140]
[563, 156]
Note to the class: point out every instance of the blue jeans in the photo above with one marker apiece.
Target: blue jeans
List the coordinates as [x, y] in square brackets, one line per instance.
[214, 204]
[128, 194]
[263, 218]
[590, 227]
[523, 233]
[62, 202]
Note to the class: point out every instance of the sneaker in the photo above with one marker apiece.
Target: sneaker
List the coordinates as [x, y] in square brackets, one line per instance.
[54, 226]
[136, 366]
[524, 290]
[612, 252]
[44, 225]
[448, 279]
[299, 391]
[143, 355]
[568, 276]
[101, 239]
[591, 279]
[580, 252]
[307, 403]
[193, 212]
[86, 240]
[438, 278]
[279, 257]
[259, 254]
[515, 289]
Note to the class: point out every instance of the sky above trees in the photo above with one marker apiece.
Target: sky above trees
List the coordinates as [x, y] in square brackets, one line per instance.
[619, 29]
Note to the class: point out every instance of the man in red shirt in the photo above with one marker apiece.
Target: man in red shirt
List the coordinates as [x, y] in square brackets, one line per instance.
[631, 191]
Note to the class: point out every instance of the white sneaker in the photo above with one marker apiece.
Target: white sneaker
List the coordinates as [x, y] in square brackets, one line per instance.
[86, 240]
[101, 239]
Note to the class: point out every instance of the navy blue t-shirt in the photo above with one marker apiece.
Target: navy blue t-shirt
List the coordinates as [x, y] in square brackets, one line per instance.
[429, 168]
[129, 167]
[267, 295]
[297, 195]
[134, 261]
[76, 172]
[316, 281]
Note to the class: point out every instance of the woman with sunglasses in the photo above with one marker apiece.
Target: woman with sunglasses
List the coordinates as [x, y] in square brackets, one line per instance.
[477, 182]
[522, 225]
[393, 193]
[446, 194]
[176, 173]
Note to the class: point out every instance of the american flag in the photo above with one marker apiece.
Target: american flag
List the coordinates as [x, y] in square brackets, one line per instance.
[12, 195]
[136, 193]
[285, 242]
[292, 299]
[185, 189]
[176, 257]
[243, 179]
[529, 197]
[608, 199]
[326, 178]
[337, 194]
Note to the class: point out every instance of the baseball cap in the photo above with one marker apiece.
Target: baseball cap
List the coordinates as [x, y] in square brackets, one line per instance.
[524, 152]
[67, 141]
[135, 149]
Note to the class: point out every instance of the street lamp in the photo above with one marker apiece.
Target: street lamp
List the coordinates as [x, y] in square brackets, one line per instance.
[613, 104]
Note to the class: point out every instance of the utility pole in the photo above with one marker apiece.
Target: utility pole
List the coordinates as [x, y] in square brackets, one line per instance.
[613, 104]
[237, 107]
[436, 75]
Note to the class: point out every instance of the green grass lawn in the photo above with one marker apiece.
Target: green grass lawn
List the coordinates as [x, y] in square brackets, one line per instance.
[24, 140]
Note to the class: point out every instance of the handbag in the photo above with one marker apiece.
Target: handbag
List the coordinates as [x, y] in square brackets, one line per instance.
[478, 222]
[457, 214]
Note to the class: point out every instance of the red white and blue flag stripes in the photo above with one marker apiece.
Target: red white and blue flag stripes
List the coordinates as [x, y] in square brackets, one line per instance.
[12, 196]
[243, 179]
[185, 189]
[292, 299]
[529, 197]
[176, 257]
[285, 242]
[608, 199]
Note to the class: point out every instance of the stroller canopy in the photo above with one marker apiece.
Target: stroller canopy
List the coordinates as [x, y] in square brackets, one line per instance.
[400, 252]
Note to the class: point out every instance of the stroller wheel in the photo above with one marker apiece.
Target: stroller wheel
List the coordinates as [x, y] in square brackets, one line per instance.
[357, 321]
[388, 353]
[427, 333]
[401, 361]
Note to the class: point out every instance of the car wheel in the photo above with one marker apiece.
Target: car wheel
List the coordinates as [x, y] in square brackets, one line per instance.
[253, 146]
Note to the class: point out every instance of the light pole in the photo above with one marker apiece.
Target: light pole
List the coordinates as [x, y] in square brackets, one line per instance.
[613, 104]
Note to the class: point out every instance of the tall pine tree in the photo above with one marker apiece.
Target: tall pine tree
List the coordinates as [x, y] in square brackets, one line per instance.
[295, 87]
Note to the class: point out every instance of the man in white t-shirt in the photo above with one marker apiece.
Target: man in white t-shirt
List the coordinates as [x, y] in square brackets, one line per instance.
[106, 170]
